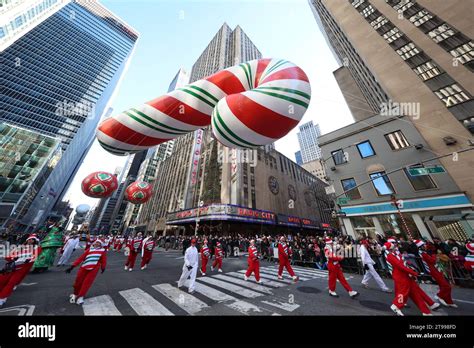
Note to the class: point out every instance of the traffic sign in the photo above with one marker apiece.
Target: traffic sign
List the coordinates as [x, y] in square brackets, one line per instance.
[417, 171]
[343, 200]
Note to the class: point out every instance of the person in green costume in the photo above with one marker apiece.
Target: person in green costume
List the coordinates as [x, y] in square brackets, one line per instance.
[49, 246]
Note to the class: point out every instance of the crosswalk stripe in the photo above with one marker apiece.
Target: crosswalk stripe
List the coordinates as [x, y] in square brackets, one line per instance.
[246, 284]
[184, 300]
[229, 301]
[275, 272]
[143, 303]
[289, 307]
[243, 307]
[306, 270]
[231, 287]
[100, 305]
[272, 277]
[264, 281]
[303, 273]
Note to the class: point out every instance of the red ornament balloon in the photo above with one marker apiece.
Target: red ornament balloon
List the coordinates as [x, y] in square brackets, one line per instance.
[138, 192]
[99, 184]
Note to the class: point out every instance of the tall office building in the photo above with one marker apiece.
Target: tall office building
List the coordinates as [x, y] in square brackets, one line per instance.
[298, 158]
[308, 140]
[59, 76]
[407, 53]
[201, 172]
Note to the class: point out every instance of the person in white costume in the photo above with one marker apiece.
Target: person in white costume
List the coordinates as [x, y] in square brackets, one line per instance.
[71, 245]
[190, 267]
[370, 271]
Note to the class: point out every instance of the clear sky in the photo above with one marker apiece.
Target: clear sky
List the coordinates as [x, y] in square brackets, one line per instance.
[173, 33]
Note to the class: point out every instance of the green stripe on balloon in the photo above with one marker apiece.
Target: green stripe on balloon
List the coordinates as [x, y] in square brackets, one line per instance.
[289, 90]
[284, 97]
[217, 128]
[221, 121]
[203, 91]
[269, 71]
[197, 96]
[158, 123]
[134, 117]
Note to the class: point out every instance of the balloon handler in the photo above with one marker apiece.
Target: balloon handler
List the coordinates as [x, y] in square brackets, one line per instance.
[91, 261]
[49, 245]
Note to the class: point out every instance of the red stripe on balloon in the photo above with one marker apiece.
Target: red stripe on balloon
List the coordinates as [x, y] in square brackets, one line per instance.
[259, 118]
[180, 111]
[120, 132]
[227, 82]
[286, 74]
[261, 66]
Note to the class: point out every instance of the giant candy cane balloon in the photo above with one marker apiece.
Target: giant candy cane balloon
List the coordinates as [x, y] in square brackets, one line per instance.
[248, 105]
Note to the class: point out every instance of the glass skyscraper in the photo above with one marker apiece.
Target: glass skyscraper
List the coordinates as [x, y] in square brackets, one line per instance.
[58, 80]
[308, 140]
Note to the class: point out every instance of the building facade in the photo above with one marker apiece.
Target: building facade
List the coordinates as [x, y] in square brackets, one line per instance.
[298, 158]
[369, 162]
[202, 174]
[316, 168]
[308, 140]
[411, 53]
[59, 77]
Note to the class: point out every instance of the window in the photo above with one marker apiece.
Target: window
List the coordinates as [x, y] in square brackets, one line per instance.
[427, 70]
[440, 33]
[408, 51]
[452, 95]
[339, 157]
[392, 35]
[382, 183]
[397, 140]
[420, 182]
[365, 149]
[349, 186]
[368, 11]
[464, 53]
[2, 33]
[402, 6]
[377, 23]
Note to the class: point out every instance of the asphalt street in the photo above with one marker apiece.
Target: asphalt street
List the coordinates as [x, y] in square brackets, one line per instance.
[154, 292]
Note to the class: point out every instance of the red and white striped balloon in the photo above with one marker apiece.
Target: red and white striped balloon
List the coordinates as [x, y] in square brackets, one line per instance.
[249, 105]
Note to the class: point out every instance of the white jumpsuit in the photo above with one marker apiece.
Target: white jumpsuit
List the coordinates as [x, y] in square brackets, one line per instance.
[371, 272]
[190, 259]
[71, 244]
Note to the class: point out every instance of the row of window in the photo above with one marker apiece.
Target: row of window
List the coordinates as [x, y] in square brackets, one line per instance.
[396, 140]
[383, 186]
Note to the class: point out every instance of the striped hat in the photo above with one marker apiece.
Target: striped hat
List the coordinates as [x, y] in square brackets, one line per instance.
[418, 242]
[328, 240]
[470, 247]
[389, 245]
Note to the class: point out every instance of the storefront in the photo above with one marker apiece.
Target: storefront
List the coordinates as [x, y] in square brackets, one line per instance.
[228, 218]
[442, 217]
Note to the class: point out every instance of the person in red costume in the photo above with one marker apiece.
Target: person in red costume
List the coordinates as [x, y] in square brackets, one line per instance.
[135, 245]
[254, 262]
[429, 262]
[147, 251]
[91, 261]
[406, 287]
[218, 254]
[284, 254]
[469, 259]
[19, 263]
[335, 270]
[205, 254]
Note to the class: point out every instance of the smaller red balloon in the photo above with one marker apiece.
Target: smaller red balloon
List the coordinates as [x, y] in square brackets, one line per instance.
[138, 192]
[99, 184]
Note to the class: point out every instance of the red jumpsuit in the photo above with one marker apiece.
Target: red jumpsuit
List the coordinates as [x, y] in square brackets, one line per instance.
[205, 253]
[444, 286]
[135, 246]
[92, 260]
[405, 286]
[24, 258]
[118, 243]
[219, 254]
[147, 252]
[284, 254]
[254, 263]
[335, 270]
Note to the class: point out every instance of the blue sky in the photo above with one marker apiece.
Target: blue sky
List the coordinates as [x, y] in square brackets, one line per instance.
[173, 33]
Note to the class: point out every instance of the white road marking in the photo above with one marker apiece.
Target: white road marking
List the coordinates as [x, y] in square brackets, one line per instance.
[464, 301]
[231, 287]
[27, 284]
[188, 302]
[246, 284]
[23, 310]
[272, 277]
[244, 307]
[303, 273]
[143, 303]
[275, 272]
[306, 270]
[289, 307]
[100, 305]
[264, 281]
